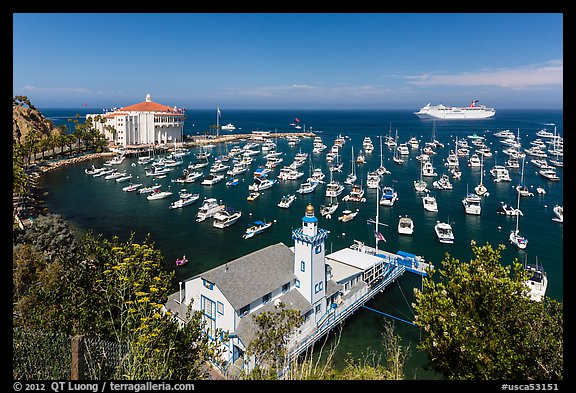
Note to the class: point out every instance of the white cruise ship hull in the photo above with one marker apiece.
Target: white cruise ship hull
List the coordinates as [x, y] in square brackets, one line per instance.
[455, 113]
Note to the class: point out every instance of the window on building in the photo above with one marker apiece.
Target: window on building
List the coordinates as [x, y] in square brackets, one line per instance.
[318, 309]
[297, 283]
[318, 249]
[244, 310]
[302, 266]
[285, 287]
[266, 298]
[220, 308]
[208, 284]
[209, 315]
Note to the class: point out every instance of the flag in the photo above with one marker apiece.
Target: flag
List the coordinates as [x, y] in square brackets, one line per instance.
[379, 236]
[297, 120]
[218, 112]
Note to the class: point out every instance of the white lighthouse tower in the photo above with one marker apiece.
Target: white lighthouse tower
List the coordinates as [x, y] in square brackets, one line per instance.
[309, 263]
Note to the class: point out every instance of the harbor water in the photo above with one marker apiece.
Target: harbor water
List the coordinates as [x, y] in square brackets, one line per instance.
[101, 205]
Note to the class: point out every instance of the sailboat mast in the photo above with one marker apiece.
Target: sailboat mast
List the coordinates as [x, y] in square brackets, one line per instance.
[377, 217]
[518, 206]
[217, 121]
[352, 161]
[381, 163]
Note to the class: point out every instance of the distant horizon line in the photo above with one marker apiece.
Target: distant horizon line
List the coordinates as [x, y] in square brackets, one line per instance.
[291, 109]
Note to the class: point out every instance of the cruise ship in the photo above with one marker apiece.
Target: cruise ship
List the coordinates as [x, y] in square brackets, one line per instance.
[471, 111]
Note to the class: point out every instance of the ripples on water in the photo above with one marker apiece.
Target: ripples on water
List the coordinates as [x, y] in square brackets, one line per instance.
[102, 205]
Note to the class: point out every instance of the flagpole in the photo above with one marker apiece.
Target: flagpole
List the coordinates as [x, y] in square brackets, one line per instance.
[218, 121]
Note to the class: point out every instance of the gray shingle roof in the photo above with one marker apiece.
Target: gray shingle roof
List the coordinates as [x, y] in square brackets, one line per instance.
[247, 328]
[252, 276]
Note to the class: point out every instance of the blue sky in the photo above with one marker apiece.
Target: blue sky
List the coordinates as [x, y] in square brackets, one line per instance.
[289, 61]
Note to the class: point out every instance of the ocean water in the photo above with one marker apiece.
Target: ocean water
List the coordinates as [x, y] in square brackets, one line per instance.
[103, 206]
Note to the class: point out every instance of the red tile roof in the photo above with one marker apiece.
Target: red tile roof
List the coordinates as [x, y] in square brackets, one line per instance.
[148, 106]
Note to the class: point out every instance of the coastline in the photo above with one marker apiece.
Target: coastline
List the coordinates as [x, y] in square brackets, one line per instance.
[25, 207]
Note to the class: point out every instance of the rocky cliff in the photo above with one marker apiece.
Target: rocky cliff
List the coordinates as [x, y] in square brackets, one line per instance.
[26, 118]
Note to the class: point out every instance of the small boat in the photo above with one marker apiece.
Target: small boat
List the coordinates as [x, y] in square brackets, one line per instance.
[132, 187]
[104, 172]
[114, 175]
[185, 200]
[117, 160]
[537, 282]
[559, 213]
[261, 184]
[287, 201]
[328, 210]
[226, 217]
[515, 238]
[348, 215]
[472, 204]
[356, 194]
[444, 232]
[210, 180]
[252, 196]
[93, 170]
[405, 226]
[508, 210]
[428, 170]
[232, 182]
[307, 187]
[443, 183]
[549, 173]
[188, 177]
[228, 127]
[181, 261]
[541, 190]
[209, 207]
[429, 203]
[124, 178]
[334, 188]
[219, 167]
[500, 173]
[389, 196]
[157, 194]
[256, 228]
[147, 190]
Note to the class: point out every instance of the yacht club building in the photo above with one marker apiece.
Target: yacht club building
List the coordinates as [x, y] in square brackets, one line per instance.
[325, 289]
[144, 123]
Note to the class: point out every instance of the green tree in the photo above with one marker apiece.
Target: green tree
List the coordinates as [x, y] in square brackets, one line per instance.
[19, 176]
[479, 323]
[108, 289]
[269, 348]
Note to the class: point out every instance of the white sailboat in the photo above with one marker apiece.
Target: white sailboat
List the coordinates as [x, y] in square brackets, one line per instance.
[481, 188]
[421, 185]
[521, 188]
[382, 169]
[537, 281]
[515, 238]
[330, 208]
[351, 178]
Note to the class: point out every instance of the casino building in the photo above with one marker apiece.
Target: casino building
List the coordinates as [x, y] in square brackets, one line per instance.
[144, 123]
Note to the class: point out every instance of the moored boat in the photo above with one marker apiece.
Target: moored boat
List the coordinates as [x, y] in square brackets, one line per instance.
[405, 225]
[256, 228]
[287, 201]
[157, 194]
[444, 232]
[226, 217]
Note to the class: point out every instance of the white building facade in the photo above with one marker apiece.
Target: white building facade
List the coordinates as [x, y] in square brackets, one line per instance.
[230, 294]
[144, 123]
